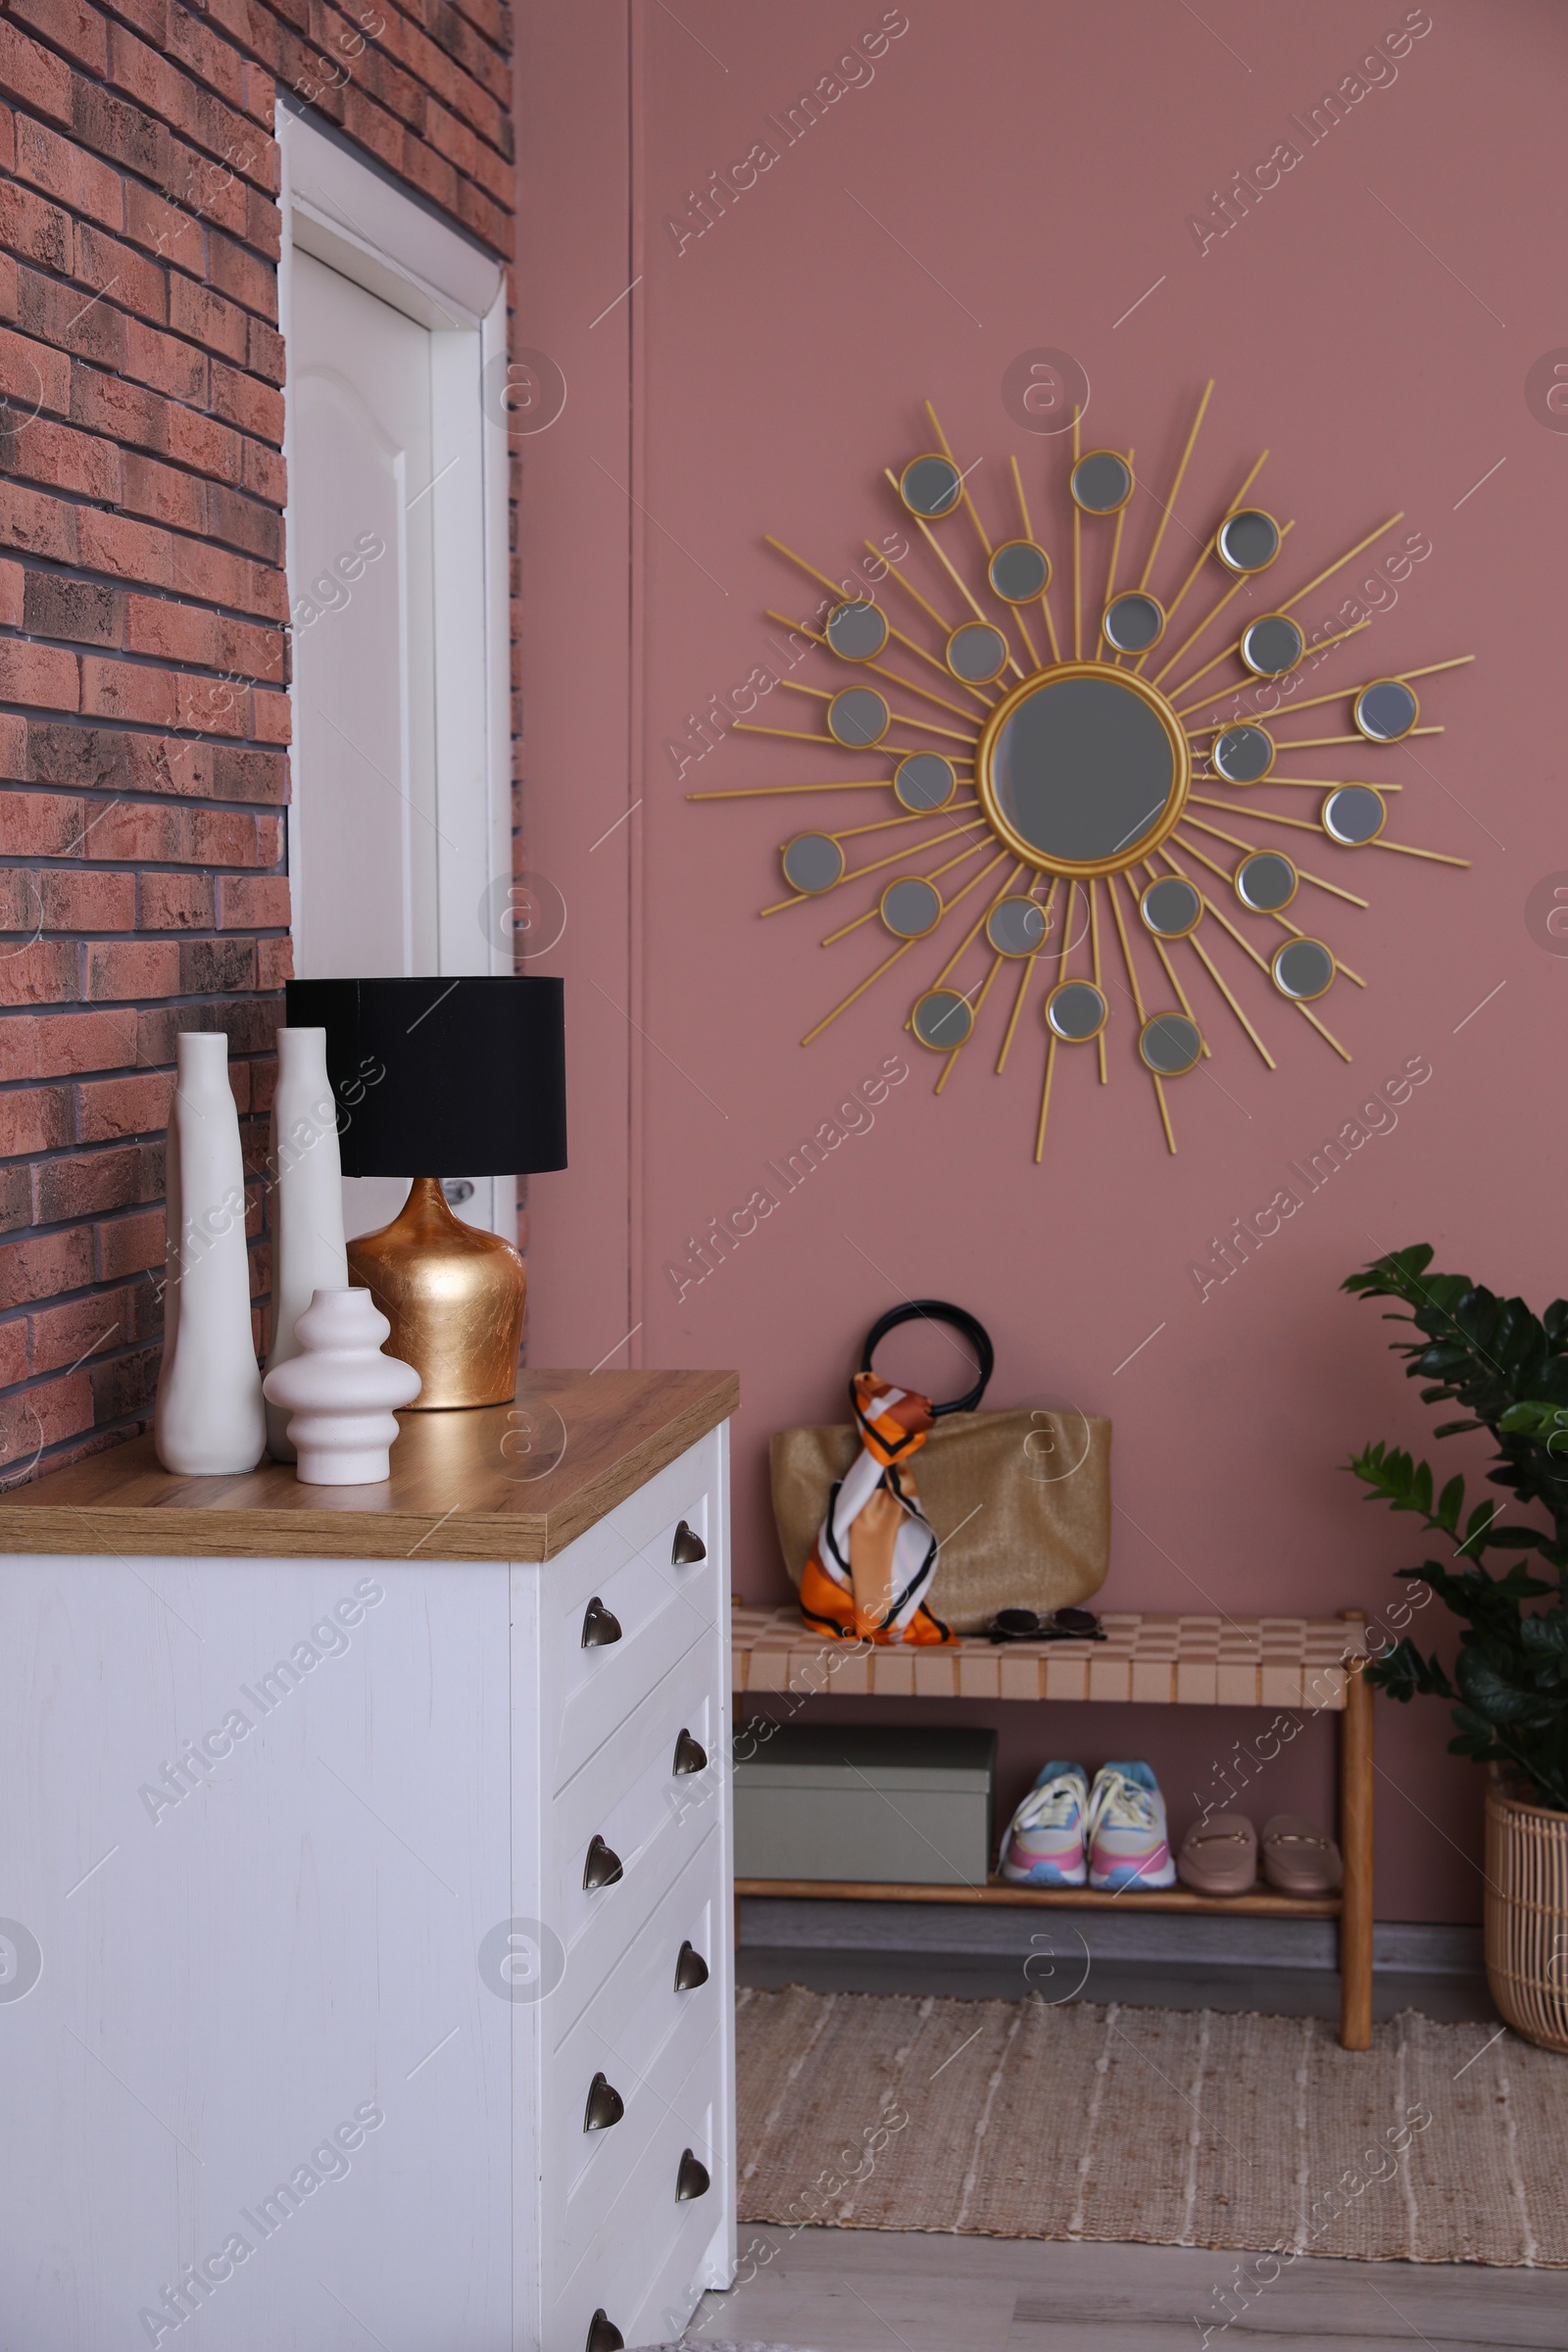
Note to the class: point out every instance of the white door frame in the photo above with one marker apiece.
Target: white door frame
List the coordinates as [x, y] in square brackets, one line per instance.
[340, 210]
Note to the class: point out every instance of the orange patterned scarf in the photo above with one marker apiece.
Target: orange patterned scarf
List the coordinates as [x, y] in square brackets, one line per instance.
[876, 1552]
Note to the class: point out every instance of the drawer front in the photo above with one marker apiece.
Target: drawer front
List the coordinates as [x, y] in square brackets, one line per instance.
[661, 1605]
[651, 1817]
[633, 2249]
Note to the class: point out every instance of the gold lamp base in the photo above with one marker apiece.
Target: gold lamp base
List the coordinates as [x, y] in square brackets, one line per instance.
[453, 1297]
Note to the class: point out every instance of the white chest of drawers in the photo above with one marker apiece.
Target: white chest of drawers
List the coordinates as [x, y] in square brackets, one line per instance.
[365, 1969]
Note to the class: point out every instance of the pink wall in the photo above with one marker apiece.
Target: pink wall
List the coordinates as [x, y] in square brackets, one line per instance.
[1372, 321]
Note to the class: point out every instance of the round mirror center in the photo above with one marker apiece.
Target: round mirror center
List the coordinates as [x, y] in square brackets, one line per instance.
[1083, 769]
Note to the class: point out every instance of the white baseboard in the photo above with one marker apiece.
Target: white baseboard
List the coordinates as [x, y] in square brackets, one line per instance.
[998, 1932]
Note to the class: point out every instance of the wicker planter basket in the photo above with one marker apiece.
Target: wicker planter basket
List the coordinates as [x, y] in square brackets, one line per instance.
[1526, 1916]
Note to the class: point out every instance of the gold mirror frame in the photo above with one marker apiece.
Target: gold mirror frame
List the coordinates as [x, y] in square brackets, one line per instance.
[1170, 816]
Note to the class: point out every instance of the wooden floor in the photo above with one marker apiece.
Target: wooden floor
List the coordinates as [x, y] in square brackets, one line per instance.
[863, 2291]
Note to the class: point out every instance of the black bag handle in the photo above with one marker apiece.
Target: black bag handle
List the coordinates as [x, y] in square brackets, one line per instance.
[937, 1310]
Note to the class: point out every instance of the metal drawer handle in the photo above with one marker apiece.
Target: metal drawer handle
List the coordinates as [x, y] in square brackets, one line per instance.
[691, 1969]
[604, 2336]
[603, 1867]
[605, 2106]
[599, 1626]
[692, 2180]
[688, 1548]
[690, 1755]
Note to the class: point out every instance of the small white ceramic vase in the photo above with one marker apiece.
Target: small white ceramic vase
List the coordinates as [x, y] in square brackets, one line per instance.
[341, 1391]
[207, 1420]
[307, 1171]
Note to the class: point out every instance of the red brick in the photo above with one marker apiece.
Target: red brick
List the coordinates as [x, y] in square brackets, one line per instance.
[119, 271]
[265, 355]
[115, 408]
[243, 276]
[264, 222]
[270, 717]
[212, 61]
[13, 1351]
[88, 901]
[12, 580]
[65, 1045]
[56, 313]
[44, 973]
[175, 903]
[32, 375]
[69, 25]
[177, 632]
[240, 400]
[67, 171]
[274, 963]
[110, 127]
[45, 1266]
[161, 494]
[169, 366]
[124, 1385]
[131, 550]
[63, 1337]
[44, 526]
[140, 834]
[125, 969]
[170, 231]
[32, 75]
[130, 1245]
[36, 230]
[127, 689]
[110, 1107]
[16, 1203]
[213, 574]
[207, 318]
[243, 523]
[67, 459]
[246, 775]
[203, 444]
[253, 901]
[38, 673]
[246, 651]
[85, 611]
[175, 99]
[42, 824]
[215, 191]
[214, 705]
[213, 967]
[87, 1184]
[33, 1119]
[32, 1419]
[266, 476]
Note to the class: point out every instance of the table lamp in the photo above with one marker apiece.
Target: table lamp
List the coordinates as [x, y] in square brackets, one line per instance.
[465, 1075]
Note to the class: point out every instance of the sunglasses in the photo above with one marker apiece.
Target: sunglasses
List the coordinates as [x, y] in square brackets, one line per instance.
[1061, 1625]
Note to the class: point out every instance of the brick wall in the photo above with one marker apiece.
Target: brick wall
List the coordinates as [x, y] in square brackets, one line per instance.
[143, 609]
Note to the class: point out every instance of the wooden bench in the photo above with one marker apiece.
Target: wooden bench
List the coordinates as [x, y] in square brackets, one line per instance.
[1310, 1663]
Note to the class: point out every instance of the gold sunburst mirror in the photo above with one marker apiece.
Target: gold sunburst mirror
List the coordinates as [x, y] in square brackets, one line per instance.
[1075, 759]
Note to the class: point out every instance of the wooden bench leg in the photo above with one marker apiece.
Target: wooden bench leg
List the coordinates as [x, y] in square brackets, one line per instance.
[1355, 1846]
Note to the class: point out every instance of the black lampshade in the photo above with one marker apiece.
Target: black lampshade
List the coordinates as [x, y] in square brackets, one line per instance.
[442, 1077]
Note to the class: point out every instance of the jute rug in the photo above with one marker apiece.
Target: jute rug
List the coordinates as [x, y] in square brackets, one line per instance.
[1021, 2118]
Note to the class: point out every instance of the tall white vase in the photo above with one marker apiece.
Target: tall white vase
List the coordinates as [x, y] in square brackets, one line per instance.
[208, 1420]
[308, 1251]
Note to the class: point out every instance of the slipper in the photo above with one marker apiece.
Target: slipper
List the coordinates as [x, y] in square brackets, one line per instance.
[1298, 1859]
[1219, 1855]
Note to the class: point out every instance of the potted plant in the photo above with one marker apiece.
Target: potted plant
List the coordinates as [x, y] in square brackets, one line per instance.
[1508, 1371]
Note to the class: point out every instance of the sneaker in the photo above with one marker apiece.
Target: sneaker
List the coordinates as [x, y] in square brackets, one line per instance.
[1045, 1843]
[1128, 1843]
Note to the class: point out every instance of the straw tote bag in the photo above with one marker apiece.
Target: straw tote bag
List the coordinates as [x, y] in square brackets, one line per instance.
[1020, 1500]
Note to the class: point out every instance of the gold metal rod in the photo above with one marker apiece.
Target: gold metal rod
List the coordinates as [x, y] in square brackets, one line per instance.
[745, 726]
[1347, 558]
[1208, 961]
[1169, 506]
[1431, 669]
[854, 873]
[882, 824]
[973, 850]
[1017, 613]
[1317, 883]
[1307, 1013]
[945, 626]
[1266, 816]
[1045, 1096]
[1202, 556]
[1315, 743]
[823, 694]
[1077, 554]
[905, 718]
[957, 579]
[1192, 635]
[979, 1007]
[810, 570]
[1318, 645]
[1313, 783]
[1110, 590]
[1337, 694]
[979, 920]
[1405, 851]
[1193, 850]
[1029, 534]
[760, 792]
[1163, 953]
[1159, 1097]
[1138, 999]
[854, 992]
[963, 480]
[1024, 975]
[881, 669]
[1248, 948]
[1094, 933]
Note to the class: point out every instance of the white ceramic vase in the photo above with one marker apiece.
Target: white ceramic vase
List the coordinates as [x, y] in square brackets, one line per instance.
[341, 1391]
[306, 1169]
[207, 1420]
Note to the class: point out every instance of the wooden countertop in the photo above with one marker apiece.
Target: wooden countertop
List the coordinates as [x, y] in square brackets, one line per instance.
[460, 1486]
